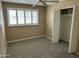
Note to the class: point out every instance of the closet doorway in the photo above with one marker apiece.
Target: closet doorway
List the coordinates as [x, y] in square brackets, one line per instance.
[65, 27]
[65, 24]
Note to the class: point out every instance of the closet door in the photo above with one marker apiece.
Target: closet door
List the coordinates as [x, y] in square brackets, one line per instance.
[56, 26]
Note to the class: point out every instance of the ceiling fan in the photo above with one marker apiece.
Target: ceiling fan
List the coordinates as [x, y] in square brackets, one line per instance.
[44, 2]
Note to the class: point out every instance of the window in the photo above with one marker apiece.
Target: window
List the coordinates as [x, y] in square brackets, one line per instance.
[28, 17]
[18, 17]
[35, 16]
[12, 17]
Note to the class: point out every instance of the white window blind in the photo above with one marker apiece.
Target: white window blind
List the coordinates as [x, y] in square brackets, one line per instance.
[28, 17]
[23, 17]
[20, 15]
[12, 17]
[35, 17]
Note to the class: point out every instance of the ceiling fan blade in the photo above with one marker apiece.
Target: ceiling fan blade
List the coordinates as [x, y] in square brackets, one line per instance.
[43, 3]
[35, 3]
[54, 1]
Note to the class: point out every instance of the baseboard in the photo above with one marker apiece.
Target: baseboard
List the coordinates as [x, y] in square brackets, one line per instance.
[77, 53]
[30, 38]
[26, 39]
[48, 37]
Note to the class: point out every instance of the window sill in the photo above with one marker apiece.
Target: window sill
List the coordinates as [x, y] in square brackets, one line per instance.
[23, 25]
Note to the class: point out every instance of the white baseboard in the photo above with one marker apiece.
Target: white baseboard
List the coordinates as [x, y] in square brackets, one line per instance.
[25, 39]
[30, 38]
[48, 37]
[77, 53]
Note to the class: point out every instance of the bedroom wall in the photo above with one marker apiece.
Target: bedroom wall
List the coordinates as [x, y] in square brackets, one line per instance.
[49, 21]
[22, 32]
[64, 3]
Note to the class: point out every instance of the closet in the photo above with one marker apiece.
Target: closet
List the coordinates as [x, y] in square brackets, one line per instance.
[65, 24]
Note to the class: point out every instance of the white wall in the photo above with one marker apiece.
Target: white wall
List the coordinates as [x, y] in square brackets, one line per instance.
[49, 21]
[2, 34]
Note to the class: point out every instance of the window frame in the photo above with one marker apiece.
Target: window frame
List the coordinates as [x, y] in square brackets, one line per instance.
[24, 9]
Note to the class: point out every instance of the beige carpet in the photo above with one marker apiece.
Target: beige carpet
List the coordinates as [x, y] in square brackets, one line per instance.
[39, 48]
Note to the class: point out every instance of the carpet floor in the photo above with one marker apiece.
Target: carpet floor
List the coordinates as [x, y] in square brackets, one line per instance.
[38, 48]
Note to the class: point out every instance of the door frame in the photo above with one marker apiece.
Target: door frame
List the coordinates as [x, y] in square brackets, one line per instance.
[3, 42]
[70, 49]
[56, 26]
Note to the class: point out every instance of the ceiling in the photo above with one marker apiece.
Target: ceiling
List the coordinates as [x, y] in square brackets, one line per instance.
[25, 1]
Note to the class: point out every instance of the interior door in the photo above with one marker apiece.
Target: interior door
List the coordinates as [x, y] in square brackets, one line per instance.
[56, 26]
